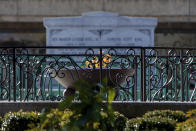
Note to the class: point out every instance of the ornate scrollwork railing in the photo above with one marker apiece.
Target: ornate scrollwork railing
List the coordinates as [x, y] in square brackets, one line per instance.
[137, 73]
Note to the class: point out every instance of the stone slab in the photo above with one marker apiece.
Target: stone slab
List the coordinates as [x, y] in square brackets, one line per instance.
[148, 7]
[36, 10]
[58, 7]
[192, 7]
[124, 7]
[100, 29]
[8, 7]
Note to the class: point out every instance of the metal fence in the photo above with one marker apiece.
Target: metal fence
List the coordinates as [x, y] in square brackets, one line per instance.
[137, 73]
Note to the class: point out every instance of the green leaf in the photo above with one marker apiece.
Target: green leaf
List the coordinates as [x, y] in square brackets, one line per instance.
[111, 95]
[87, 111]
[67, 103]
[105, 82]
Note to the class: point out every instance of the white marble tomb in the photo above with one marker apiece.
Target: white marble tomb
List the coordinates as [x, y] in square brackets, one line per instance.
[100, 29]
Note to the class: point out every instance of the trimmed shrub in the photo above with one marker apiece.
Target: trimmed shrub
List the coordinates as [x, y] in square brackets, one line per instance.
[134, 124]
[1, 120]
[120, 121]
[179, 116]
[54, 120]
[188, 125]
[19, 121]
[191, 113]
[155, 123]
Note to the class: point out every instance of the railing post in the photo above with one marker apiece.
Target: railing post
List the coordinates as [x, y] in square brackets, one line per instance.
[142, 74]
[100, 60]
[182, 75]
[14, 73]
[135, 66]
[9, 77]
[167, 72]
[21, 81]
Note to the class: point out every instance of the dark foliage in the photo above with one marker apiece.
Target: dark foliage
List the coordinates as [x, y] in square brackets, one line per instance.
[152, 123]
[19, 121]
[179, 116]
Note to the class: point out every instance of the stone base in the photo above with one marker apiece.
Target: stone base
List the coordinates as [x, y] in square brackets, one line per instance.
[129, 109]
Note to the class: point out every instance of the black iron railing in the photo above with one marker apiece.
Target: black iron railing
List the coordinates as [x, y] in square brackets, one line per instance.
[137, 73]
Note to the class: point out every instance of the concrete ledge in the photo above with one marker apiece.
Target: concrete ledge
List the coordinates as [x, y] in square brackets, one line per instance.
[134, 109]
[25, 106]
[37, 27]
[130, 109]
[35, 10]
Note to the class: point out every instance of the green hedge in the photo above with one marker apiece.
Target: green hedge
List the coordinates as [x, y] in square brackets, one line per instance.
[1, 120]
[54, 120]
[119, 121]
[19, 121]
[155, 123]
[156, 120]
[188, 125]
[57, 120]
[179, 116]
[191, 113]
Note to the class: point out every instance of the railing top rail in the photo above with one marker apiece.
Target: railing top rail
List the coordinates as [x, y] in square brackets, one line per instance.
[59, 47]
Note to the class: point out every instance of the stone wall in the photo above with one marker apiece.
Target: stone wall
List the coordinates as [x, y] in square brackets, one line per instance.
[22, 19]
[35, 10]
[175, 39]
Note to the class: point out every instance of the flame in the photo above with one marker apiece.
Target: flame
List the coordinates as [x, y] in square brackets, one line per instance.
[95, 62]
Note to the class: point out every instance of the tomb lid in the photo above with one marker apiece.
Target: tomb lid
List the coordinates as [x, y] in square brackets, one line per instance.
[99, 19]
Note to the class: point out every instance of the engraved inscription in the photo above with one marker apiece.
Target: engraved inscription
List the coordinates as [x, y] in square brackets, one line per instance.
[89, 39]
[99, 37]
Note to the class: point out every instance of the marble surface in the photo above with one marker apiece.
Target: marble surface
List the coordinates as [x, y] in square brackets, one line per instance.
[100, 29]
